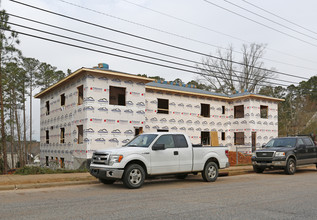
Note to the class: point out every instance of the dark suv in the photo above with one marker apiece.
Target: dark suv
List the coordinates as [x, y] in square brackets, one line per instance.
[285, 153]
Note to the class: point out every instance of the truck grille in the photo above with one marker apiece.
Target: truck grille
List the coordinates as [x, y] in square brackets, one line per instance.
[264, 154]
[98, 158]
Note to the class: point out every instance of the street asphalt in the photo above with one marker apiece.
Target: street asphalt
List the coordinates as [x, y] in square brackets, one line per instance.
[15, 182]
[271, 195]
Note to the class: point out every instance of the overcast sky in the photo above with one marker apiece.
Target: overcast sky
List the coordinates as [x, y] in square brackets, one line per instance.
[192, 24]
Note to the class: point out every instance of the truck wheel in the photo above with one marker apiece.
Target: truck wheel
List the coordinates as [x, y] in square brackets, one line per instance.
[258, 169]
[290, 168]
[210, 172]
[107, 181]
[133, 176]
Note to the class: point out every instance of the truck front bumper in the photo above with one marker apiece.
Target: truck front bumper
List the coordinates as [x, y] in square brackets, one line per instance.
[106, 173]
[273, 163]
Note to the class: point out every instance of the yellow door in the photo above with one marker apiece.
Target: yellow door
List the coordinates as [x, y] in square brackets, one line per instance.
[214, 138]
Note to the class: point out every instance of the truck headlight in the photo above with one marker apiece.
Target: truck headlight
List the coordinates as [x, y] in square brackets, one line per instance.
[280, 154]
[253, 154]
[115, 159]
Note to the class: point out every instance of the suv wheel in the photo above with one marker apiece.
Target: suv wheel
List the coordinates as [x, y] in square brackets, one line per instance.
[133, 176]
[290, 168]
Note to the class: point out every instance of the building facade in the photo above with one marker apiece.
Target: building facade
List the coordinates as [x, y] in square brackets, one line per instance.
[96, 108]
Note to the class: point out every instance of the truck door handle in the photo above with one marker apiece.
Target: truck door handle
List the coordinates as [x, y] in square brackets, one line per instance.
[175, 152]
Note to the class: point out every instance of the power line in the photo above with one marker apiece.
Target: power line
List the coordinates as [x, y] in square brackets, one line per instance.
[115, 42]
[224, 34]
[117, 55]
[300, 26]
[264, 25]
[153, 41]
[238, 6]
[173, 34]
[137, 54]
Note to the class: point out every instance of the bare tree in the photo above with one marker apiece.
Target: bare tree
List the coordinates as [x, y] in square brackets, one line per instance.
[226, 75]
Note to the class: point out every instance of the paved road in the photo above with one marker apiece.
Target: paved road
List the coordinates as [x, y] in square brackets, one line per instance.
[271, 195]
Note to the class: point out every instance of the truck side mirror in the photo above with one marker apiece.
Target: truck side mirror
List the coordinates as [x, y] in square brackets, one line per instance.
[158, 147]
[263, 146]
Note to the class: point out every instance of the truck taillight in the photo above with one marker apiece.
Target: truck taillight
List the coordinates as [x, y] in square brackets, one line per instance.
[227, 153]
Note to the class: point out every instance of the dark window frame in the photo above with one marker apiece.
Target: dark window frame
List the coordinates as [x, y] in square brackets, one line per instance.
[223, 136]
[47, 136]
[47, 105]
[239, 140]
[63, 99]
[162, 106]
[117, 95]
[80, 92]
[205, 110]
[239, 111]
[80, 131]
[264, 111]
[208, 142]
[62, 135]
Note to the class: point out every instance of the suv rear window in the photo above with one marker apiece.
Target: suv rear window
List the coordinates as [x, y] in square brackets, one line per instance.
[307, 141]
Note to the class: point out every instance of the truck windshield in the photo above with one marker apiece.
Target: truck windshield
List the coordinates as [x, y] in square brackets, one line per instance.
[282, 142]
[143, 140]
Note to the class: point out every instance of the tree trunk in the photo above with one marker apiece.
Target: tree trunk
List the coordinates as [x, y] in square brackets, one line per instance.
[31, 83]
[18, 130]
[24, 125]
[12, 134]
[3, 134]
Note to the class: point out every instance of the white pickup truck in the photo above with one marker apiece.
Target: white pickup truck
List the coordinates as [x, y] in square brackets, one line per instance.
[153, 154]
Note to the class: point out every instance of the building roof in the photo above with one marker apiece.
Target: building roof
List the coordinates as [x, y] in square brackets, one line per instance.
[200, 92]
[163, 86]
[93, 70]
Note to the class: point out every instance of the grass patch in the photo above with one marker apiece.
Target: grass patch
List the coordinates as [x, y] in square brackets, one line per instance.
[42, 170]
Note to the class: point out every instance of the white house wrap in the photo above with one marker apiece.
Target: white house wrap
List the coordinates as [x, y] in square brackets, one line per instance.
[97, 108]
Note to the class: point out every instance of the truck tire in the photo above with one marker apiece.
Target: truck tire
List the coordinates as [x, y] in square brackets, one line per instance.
[290, 168]
[258, 169]
[107, 181]
[133, 176]
[210, 172]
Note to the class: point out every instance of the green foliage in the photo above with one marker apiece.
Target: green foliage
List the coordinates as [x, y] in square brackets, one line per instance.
[31, 170]
[297, 113]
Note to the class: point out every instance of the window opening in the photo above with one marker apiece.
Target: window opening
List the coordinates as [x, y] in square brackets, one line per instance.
[223, 136]
[205, 110]
[239, 111]
[47, 105]
[162, 106]
[62, 139]
[264, 111]
[117, 95]
[80, 129]
[223, 111]
[47, 136]
[63, 99]
[205, 138]
[46, 161]
[80, 90]
[238, 138]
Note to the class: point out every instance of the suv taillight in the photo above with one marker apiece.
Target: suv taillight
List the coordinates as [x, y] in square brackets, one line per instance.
[227, 153]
